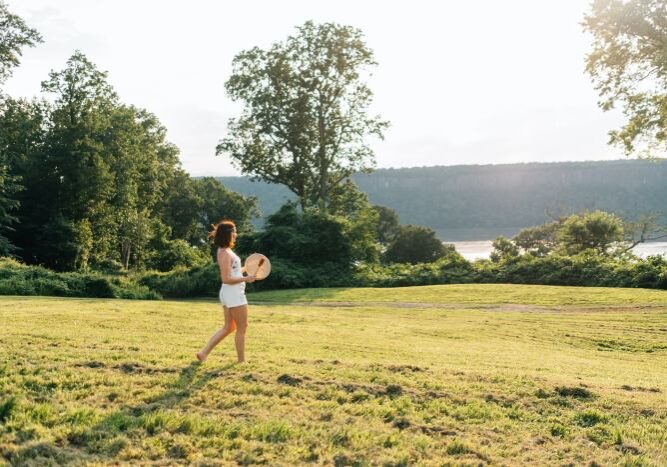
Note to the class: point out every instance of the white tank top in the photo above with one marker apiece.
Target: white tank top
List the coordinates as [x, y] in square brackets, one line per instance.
[236, 266]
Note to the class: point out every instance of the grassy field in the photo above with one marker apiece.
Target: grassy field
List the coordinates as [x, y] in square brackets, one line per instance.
[460, 375]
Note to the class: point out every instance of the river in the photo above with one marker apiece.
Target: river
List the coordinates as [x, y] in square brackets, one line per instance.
[482, 249]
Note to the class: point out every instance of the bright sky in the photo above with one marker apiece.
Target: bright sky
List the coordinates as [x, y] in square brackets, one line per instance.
[479, 82]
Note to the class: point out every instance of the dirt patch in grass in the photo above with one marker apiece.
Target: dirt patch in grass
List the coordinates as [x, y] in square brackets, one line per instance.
[133, 367]
[289, 380]
[627, 387]
[575, 392]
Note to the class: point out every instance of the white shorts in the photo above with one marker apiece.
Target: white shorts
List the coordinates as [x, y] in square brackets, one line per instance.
[233, 295]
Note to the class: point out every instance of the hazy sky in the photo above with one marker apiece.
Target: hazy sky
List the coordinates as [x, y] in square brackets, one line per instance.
[473, 82]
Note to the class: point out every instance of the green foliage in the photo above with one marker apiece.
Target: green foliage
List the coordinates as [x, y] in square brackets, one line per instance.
[175, 254]
[415, 244]
[19, 279]
[503, 249]
[218, 203]
[9, 186]
[100, 183]
[538, 240]
[587, 269]
[83, 239]
[388, 224]
[203, 280]
[361, 222]
[628, 66]
[97, 176]
[21, 142]
[286, 274]
[450, 269]
[304, 237]
[596, 231]
[315, 239]
[15, 36]
[304, 124]
[192, 205]
[199, 281]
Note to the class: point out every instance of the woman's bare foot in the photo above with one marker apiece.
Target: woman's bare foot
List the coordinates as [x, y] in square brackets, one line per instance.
[201, 356]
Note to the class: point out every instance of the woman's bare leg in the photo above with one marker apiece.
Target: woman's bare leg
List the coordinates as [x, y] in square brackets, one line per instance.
[240, 316]
[227, 329]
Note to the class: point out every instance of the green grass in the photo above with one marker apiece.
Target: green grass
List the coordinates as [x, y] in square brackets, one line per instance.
[474, 294]
[362, 383]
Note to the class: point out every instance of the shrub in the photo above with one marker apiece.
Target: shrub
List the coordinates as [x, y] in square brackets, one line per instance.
[414, 244]
[199, 281]
[176, 253]
[450, 269]
[585, 269]
[19, 279]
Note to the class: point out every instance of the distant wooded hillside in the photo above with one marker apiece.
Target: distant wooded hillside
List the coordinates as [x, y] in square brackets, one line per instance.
[478, 202]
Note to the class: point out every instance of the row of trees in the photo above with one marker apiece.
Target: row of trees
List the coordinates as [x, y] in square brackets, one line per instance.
[89, 180]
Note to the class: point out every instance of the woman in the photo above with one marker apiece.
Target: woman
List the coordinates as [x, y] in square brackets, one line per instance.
[232, 291]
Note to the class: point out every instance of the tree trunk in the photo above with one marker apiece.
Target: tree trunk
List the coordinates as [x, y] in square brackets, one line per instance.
[322, 156]
[125, 255]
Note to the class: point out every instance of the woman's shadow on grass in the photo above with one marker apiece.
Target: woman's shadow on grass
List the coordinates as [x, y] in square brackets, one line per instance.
[188, 382]
[125, 418]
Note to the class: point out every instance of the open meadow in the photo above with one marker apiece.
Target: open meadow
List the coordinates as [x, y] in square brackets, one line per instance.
[460, 375]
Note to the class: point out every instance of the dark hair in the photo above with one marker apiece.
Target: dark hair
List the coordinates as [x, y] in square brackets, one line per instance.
[221, 235]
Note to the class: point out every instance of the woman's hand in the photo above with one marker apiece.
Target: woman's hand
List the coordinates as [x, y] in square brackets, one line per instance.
[250, 278]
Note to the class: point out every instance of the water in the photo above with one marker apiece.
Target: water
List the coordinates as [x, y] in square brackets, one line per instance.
[482, 249]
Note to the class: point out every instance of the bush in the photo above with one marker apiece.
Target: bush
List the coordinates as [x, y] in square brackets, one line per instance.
[303, 237]
[200, 281]
[415, 244]
[451, 269]
[19, 279]
[585, 269]
[289, 275]
[175, 254]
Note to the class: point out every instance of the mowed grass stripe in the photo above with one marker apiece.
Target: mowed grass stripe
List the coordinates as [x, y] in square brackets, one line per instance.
[107, 381]
[482, 294]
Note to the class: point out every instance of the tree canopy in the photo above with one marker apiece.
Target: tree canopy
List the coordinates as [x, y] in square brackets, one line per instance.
[414, 244]
[305, 119]
[628, 66]
[600, 232]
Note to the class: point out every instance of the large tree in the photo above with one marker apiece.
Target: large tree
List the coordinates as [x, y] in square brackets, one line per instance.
[305, 120]
[628, 65]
